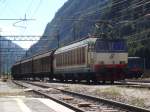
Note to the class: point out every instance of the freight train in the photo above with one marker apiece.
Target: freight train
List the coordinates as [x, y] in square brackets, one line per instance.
[90, 59]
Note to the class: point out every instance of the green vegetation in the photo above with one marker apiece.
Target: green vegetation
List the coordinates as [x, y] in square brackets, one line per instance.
[113, 91]
[137, 102]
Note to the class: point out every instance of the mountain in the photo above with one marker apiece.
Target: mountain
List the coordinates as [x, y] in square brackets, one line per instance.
[65, 28]
[9, 54]
[129, 19]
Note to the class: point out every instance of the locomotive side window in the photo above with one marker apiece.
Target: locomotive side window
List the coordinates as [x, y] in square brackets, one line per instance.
[68, 57]
[78, 55]
[101, 46]
[59, 63]
[64, 59]
[58, 60]
[61, 59]
[83, 55]
[73, 57]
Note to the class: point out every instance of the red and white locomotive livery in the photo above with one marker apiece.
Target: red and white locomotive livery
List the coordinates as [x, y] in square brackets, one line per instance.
[91, 59]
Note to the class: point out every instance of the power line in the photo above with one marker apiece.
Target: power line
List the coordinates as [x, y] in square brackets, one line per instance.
[38, 6]
[23, 36]
[16, 19]
[28, 8]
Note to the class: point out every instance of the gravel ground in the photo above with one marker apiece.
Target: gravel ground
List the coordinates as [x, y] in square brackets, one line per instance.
[137, 97]
[9, 89]
[82, 103]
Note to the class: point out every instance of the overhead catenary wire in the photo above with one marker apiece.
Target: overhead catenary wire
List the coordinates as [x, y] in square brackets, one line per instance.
[34, 12]
[37, 8]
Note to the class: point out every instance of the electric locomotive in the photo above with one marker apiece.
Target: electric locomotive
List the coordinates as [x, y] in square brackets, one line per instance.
[92, 59]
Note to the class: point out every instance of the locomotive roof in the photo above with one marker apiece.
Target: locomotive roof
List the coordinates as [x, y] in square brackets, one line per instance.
[83, 42]
[77, 44]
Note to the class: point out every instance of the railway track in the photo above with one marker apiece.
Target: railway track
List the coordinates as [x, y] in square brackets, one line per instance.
[135, 84]
[75, 100]
[139, 81]
[43, 94]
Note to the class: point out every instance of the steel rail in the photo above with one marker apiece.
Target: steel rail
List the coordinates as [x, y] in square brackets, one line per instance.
[107, 101]
[49, 97]
[135, 84]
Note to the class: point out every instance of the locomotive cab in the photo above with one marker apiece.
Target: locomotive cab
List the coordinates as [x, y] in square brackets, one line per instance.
[109, 59]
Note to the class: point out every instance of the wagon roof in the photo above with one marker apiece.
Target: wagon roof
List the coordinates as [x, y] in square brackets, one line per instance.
[42, 55]
[26, 60]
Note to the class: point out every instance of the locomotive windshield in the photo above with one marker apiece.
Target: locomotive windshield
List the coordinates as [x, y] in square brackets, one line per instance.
[110, 45]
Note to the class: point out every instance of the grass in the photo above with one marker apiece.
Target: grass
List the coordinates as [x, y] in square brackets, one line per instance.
[137, 102]
[108, 91]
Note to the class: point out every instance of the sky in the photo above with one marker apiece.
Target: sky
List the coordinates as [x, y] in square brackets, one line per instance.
[42, 11]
